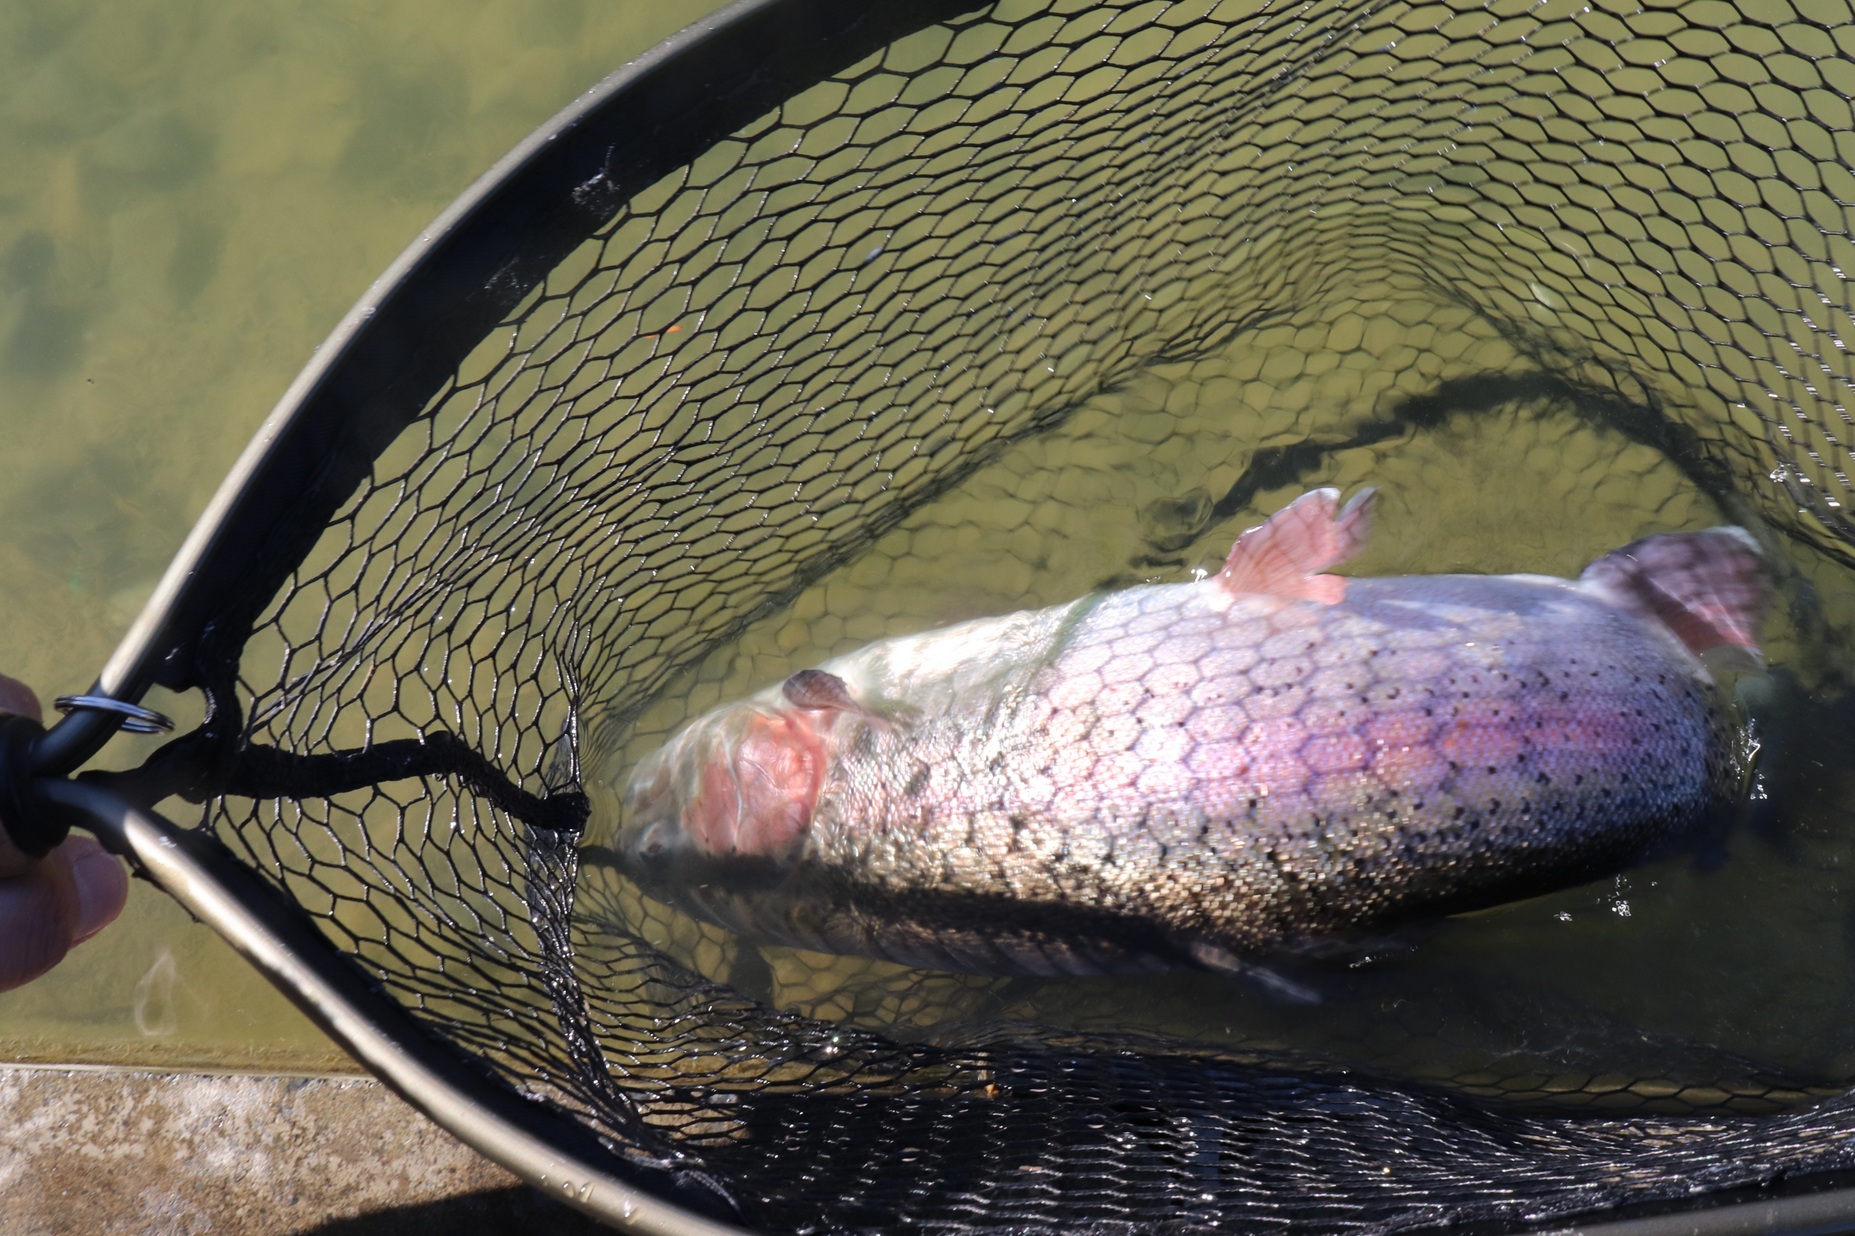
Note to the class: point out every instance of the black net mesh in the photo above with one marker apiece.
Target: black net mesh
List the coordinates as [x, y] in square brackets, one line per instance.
[1034, 300]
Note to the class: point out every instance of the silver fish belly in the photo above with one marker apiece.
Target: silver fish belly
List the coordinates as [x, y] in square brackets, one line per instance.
[1198, 774]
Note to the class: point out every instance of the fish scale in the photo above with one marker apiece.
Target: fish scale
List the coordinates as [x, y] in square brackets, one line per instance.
[1207, 773]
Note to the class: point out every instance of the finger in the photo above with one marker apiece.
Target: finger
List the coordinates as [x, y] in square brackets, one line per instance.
[13, 861]
[101, 881]
[38, 917]
[20, 700]
[17, 699]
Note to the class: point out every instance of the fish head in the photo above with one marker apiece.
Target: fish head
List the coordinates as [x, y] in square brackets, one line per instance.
[740, 782]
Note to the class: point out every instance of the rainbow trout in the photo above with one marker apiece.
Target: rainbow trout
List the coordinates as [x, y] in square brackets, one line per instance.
[1200, 774]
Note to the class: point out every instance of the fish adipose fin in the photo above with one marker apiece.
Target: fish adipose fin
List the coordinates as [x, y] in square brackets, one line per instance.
[1711, 589]
[1286, 554]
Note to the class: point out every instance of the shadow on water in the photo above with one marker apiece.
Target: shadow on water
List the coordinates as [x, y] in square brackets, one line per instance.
[1173, 523]
[516, 1211]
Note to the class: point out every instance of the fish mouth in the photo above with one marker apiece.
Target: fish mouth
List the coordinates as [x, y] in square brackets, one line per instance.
[651, 827]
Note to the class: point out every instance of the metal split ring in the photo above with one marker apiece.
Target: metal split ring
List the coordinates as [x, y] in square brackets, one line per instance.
[135, 718]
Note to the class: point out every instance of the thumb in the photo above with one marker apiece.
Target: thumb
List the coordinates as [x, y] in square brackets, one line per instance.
[39, 913]
[17, 699]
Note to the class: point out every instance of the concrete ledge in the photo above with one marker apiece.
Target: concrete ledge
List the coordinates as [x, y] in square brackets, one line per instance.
[105, 1151]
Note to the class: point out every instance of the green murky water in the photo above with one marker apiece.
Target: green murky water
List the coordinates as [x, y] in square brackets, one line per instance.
[190, 198]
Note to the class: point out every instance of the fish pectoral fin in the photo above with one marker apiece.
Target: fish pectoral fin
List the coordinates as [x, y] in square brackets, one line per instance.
[1217, 958]
[1286, 554]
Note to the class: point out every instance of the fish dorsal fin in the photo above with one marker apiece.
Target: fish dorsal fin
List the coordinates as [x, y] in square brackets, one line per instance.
[1286, 554]
[1711, 589]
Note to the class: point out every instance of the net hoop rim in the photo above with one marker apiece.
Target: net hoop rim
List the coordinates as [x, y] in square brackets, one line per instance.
[283, 946]
[148, 651]
[125, 675]
[540, 1149]
[312, 978]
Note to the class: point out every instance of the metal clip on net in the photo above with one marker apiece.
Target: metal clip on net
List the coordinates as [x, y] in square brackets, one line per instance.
[134, 719]
[741, 310]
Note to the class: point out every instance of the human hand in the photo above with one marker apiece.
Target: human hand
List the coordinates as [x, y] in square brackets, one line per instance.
[49, 904]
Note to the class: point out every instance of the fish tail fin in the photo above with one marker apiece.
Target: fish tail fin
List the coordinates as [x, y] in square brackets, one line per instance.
[1287, 553]
[1711, 589]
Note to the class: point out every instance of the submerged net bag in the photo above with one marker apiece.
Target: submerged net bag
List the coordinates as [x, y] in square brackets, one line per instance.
[824, 305]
